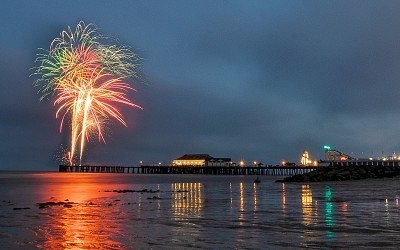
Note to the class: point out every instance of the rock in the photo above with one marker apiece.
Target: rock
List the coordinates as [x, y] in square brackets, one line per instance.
[154, 198]
[52, 203]
[21, 208]
[133, 191]
[338, 173]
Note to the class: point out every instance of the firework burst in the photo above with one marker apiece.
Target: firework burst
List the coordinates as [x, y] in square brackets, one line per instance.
[87, 77]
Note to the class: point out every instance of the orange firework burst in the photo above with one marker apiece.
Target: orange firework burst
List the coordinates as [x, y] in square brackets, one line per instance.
[87, 78]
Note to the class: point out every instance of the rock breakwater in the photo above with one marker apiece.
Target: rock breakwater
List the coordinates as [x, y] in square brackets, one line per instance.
[339, 173]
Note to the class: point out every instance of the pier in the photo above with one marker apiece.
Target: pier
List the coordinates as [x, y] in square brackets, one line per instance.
[273, 171]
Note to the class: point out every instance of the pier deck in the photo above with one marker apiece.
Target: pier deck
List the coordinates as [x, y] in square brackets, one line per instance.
[277, 171]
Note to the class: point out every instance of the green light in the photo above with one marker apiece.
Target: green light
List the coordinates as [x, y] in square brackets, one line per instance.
[327, 147]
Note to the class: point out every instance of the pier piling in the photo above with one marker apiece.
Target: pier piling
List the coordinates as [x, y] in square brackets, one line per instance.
[275, 171]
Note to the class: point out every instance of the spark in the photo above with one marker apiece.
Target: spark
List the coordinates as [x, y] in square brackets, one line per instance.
[87, 78]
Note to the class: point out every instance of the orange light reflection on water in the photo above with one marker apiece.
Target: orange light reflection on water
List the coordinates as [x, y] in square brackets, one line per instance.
[306, 204]
[255, 196]
[241, 204]
[187, 199]
[85, 225]
[283, 198]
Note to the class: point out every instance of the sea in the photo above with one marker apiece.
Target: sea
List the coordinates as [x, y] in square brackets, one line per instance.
[51, 210]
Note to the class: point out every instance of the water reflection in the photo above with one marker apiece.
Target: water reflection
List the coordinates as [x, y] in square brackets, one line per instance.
[386, 209]
[255, 196]
[329, 222]
[241, 204]
[230, 195]
[344, 208]
[84, 225]
[283, 198]
[241, 196]
[206, 214]
[306, 204]
[186, 208]
[187, 199]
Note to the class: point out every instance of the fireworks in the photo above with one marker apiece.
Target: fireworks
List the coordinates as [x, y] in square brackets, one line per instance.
[86, 76]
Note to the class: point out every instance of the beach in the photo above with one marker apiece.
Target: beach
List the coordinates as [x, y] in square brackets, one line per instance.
[49, 210]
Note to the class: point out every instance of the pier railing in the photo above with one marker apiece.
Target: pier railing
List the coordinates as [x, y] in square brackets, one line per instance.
[278, 170]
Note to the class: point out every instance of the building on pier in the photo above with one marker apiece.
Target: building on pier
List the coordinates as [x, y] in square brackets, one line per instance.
[306, 160]
[201, 160]
[336, 155]
[338, 158]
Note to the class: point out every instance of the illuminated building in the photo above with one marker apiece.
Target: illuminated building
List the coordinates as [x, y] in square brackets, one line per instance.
[306, 160]
[334, 155]
[201, 160]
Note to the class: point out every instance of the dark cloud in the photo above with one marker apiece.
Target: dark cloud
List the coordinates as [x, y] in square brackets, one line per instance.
[257, 80]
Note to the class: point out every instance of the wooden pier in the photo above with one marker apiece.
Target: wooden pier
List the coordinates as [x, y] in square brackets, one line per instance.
[276, 171]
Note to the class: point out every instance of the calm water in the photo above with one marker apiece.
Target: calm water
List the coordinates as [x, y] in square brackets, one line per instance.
[194, 211]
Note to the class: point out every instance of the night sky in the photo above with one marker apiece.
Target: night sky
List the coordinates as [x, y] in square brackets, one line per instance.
[252, 80]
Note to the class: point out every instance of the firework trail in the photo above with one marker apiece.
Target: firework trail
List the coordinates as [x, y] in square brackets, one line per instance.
[86, 76]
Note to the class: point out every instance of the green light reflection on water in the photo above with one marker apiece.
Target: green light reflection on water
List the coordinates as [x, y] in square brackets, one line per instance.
[329, 221]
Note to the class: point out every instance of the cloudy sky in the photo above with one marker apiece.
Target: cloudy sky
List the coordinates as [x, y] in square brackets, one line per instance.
[252, 80]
